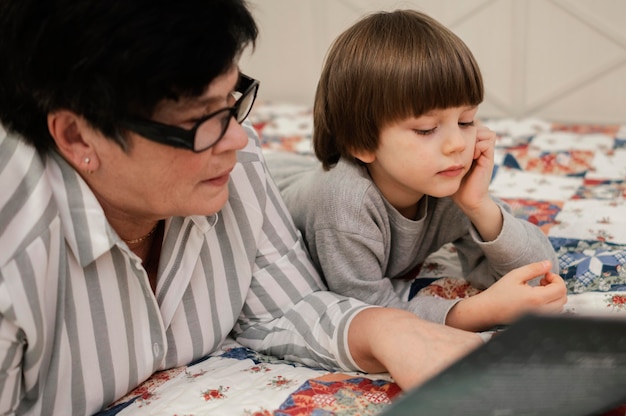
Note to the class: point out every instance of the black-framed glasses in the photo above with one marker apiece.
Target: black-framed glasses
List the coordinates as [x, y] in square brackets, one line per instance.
[208, 130]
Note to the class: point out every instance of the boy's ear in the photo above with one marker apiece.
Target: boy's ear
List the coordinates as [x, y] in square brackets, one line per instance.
[68, 131]
[364, 156]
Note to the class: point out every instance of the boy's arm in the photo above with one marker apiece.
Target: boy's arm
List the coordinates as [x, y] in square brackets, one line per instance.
[509, 298]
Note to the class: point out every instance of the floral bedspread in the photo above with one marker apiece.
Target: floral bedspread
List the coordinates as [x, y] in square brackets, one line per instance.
[238, 381]
[567, 179]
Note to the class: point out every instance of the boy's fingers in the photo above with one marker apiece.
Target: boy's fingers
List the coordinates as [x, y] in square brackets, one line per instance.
[533, 270]
[554, 289]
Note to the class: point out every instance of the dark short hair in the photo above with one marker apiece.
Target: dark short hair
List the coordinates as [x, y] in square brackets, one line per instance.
[386, 67]
[107, 59]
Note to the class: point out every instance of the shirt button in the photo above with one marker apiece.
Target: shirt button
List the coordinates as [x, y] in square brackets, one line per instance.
[156, 349]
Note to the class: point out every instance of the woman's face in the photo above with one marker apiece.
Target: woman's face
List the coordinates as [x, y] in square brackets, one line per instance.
[153, 180]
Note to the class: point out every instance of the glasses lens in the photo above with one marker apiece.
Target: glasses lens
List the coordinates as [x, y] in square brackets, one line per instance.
[245, 104]
[213, 128]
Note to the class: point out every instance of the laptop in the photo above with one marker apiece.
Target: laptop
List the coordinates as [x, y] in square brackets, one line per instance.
[540, 365]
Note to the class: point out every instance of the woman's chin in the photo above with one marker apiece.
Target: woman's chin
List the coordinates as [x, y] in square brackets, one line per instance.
[206, 206]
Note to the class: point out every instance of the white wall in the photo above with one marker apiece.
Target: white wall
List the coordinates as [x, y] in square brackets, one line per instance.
[561, 60]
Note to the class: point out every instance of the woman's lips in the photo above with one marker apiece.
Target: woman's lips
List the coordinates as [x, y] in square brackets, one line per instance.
[220, 180]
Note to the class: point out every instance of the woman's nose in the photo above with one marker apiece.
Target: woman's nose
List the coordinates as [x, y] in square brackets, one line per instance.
[235, 137]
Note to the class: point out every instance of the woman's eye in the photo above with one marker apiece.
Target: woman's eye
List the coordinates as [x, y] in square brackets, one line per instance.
[467, 124]
[191, 123]
[200, 118]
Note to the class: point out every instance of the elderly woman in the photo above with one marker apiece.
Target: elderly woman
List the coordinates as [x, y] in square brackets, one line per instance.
[138, 225]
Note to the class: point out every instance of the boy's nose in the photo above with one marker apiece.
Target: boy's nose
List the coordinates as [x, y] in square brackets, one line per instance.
[455, 141]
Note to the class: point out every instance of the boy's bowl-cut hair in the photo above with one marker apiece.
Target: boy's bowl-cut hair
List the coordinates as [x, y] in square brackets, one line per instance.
[387, 67]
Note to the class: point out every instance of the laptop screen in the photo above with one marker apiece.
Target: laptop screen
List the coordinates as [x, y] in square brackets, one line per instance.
[540, 365]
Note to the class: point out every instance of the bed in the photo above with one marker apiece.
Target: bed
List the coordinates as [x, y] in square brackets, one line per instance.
[570, 180]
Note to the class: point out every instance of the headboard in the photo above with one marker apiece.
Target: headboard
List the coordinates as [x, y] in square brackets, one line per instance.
[560, 60]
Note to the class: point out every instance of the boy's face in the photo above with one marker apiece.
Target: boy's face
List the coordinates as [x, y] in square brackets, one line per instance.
[427, 155]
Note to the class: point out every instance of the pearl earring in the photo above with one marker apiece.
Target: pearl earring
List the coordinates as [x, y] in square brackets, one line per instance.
[87, 161]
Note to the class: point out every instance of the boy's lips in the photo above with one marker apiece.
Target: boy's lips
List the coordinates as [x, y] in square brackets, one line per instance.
[452, 171]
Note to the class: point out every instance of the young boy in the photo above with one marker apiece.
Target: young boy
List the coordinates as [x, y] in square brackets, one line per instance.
[406, 169]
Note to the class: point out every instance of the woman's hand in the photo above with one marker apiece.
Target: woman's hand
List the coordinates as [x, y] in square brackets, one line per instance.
[510, 297]
[410, 349]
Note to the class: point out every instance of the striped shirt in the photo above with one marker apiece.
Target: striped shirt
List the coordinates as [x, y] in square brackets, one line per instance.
[79, 324]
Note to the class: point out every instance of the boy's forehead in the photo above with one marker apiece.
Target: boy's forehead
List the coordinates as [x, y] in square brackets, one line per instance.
[437, 111]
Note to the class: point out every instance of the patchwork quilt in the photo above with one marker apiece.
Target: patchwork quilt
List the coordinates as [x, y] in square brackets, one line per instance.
[567, 179]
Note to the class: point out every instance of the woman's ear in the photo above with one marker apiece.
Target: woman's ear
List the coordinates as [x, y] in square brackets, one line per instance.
[365, 156]
[69, 133]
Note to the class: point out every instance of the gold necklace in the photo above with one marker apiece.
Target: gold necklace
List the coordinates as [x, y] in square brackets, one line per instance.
[143, 238]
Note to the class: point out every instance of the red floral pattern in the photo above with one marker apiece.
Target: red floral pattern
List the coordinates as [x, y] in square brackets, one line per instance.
[449, 288]
[616, 301]
[215, 394]
[347, 396]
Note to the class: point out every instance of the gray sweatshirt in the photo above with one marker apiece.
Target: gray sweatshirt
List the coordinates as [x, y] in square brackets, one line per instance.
[360, 243]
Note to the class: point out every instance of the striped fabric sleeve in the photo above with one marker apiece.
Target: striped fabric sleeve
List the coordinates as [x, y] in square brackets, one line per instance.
[11, 352]
[17, 205]
[288, 310]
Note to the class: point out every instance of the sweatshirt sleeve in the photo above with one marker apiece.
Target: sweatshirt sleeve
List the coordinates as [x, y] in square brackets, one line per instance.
[519, 243]
[351, 251]
[288, 311]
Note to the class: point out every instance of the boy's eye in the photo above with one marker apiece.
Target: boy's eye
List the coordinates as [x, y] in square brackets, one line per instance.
[466, 124]
[425, 132]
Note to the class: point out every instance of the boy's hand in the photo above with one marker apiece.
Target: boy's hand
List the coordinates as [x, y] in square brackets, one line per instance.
[474, 188]
[510, 297]
[473, 194]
